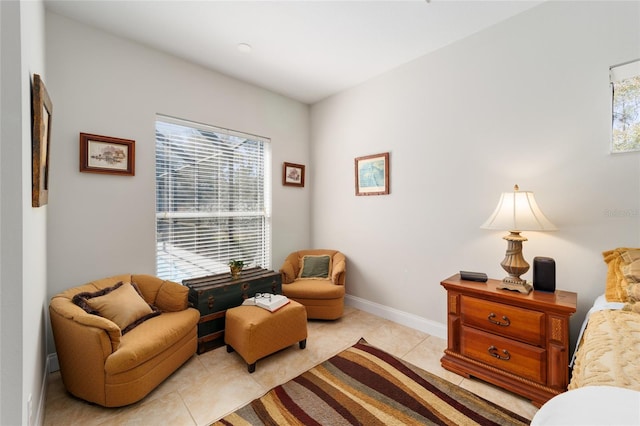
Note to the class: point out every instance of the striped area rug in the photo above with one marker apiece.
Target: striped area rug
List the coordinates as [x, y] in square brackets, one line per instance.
[364, 385]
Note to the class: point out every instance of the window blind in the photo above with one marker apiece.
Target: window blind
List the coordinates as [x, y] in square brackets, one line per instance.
[213, 200]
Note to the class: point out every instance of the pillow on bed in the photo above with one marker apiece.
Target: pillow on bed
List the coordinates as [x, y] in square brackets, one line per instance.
[630, 255]
[633, 297]
[631, 271]
[633, 307]
[620, 261]
[615, 288]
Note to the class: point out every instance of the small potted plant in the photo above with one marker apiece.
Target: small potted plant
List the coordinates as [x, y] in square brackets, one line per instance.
[236, 267]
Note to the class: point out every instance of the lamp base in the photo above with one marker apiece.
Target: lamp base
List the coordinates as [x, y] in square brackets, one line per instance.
[514, 264]
[521, 286]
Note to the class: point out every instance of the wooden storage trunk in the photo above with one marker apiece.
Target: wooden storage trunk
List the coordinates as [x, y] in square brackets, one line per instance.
[213, 295]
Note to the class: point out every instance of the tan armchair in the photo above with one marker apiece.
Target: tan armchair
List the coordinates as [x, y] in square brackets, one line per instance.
[322, 297]
[101, 365]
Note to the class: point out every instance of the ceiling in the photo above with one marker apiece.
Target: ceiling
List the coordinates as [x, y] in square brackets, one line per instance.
[306, 50]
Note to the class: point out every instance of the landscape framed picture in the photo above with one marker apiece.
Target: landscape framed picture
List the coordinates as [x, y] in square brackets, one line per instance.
[293, 174]
[104, 154]
[372, 174]
[41, 136]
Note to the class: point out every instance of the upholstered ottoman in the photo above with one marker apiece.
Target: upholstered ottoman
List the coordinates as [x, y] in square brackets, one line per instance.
[255, 332]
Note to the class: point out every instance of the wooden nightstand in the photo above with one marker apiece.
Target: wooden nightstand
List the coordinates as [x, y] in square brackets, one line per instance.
[516, 341]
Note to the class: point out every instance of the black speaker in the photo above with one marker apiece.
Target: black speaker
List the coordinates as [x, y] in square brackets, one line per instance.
[544, 274]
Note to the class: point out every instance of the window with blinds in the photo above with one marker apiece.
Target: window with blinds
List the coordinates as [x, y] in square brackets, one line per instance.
[212, 199]
[625, 94]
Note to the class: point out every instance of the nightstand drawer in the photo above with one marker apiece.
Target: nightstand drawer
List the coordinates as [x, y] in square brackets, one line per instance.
[518, 358]
[509, 321]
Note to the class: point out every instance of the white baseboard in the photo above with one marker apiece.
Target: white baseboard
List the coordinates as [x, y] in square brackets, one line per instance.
[410, 320]
[38, 417]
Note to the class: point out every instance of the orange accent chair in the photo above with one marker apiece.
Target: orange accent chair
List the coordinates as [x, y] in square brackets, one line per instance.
[315, 283]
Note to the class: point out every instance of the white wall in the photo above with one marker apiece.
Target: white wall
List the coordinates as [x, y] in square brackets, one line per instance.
[22, 228]
[525, 102]
[101, 225]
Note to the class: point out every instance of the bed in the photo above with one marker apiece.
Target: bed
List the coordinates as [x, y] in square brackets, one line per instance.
[605, 383]
[609, 349]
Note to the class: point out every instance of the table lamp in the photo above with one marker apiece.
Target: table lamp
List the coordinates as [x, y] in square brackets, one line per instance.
[517, 211]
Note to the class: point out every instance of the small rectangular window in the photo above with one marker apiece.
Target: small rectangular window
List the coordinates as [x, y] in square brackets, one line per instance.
[213, 200]
[625, 88]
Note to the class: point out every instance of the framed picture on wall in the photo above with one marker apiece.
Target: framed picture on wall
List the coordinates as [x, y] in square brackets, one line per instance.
[372, 174]
[293, 174]
[104, 154]
[41, 134]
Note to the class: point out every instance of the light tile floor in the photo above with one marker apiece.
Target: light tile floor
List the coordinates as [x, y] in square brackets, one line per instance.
[216, 383]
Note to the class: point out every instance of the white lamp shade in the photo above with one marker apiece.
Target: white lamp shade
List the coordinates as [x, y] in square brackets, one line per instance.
[518, 211]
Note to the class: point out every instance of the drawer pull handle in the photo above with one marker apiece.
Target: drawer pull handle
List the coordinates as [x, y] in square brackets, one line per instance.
[506, 322]
[493, 351]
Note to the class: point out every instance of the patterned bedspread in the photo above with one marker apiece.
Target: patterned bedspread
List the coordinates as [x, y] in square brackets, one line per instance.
[610, 351]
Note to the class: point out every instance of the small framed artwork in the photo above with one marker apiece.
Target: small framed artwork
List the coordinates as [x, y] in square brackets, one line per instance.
[372, 174]
[104, 154]
[293, 174]
[41, 137]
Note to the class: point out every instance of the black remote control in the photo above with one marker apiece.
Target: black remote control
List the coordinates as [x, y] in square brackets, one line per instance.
[473, 276]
